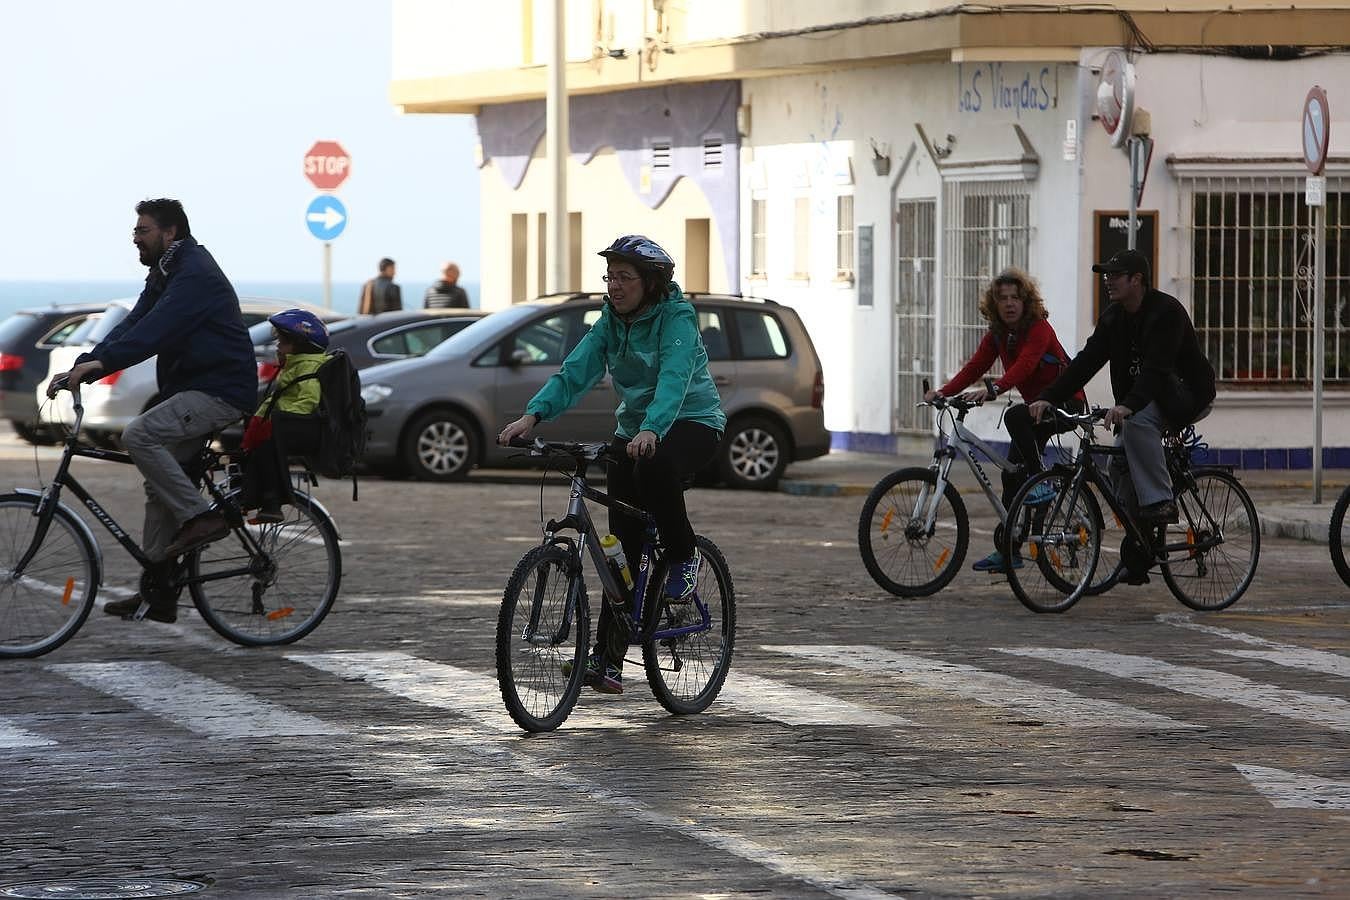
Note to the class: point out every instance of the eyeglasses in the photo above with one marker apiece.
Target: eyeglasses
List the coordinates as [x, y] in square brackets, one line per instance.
[143, 229]
[620, 277]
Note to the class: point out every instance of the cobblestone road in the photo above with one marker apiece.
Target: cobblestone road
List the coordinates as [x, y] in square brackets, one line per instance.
[865, 746]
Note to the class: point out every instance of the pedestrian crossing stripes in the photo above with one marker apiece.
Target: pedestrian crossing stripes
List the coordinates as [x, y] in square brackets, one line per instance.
[193, 702]
[1291, 790]
[1288, 655]
[1317, 709]
[1048, 704]
[12, 737]
[796, 705]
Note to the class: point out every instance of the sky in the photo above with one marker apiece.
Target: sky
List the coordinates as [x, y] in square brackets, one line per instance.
[105, 104]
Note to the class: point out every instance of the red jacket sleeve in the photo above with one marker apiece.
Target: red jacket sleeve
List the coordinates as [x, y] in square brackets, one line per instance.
[1029, 353]
[979, 363]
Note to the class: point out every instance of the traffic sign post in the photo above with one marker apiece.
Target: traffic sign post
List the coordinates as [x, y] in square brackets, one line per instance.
[327, 166]
[1316, 141]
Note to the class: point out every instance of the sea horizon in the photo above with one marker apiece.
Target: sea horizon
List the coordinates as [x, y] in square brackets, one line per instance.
[16, 294]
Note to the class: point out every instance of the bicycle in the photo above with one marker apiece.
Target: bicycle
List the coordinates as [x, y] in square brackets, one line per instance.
[903, 531]
[262, 585]
[1207, 558]
[543, 629]
[1339, 535]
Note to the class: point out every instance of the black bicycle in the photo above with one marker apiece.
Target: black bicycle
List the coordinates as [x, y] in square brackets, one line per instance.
[543, 630]
[1207, 558]
[1340, 536]
[261, 584]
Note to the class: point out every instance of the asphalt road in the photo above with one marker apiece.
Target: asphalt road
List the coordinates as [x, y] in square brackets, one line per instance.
[865, 746]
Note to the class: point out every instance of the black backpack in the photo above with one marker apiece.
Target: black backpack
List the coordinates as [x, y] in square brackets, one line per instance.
[342, 439]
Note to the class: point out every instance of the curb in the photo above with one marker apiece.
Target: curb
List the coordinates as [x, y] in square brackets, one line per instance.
[1299, 530]
[819, 489]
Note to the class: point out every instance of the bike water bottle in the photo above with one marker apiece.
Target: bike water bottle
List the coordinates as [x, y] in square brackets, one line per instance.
[614, 554]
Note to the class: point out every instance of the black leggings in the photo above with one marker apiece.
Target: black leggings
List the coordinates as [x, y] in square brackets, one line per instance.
[1028, 442]
[654, 484]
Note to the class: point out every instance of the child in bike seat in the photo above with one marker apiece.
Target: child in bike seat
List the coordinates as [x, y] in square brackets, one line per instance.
[1022, 339]
[285, 423]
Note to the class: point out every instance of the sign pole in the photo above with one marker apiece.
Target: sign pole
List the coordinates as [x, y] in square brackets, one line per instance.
[327, 274]
[1134, 146]
[1319, 340]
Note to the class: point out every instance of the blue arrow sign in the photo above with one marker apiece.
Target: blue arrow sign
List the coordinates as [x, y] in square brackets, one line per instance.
[326, 217]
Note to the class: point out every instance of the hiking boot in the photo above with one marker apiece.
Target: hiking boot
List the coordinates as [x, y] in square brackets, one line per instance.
[196, 532]
[995, 564]
[682, 580]
[1164, 512]
[268, 517]
[127, 609]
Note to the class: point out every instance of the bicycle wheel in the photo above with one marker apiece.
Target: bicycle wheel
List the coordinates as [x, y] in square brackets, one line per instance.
[900, 552]
[1052, 545]
[276, 597]
[1340, 537]
[1221, 537]
[687, 671]
[1110, 562]
[43, 607]
[543, 635]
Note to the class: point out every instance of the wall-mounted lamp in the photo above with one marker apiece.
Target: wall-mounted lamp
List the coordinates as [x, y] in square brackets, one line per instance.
[942, 151]
[881, 157]
[618, 53]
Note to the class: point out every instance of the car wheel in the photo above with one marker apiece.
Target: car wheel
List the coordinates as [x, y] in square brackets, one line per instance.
[33, 433]
[753, 454]
[440, 446]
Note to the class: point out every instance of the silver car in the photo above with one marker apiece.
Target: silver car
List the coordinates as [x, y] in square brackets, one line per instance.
[436, 417]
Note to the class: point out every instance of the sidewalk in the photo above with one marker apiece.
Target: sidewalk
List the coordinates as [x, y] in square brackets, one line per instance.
[1283, 498]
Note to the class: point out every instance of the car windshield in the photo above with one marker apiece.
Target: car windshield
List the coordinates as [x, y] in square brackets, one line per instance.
[15, 326]
[493, 324]
[99, 326]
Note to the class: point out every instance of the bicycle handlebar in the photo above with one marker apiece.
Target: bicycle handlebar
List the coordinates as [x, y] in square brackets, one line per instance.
[576, 449]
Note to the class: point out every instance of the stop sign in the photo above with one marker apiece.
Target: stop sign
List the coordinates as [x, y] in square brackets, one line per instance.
[327, 165]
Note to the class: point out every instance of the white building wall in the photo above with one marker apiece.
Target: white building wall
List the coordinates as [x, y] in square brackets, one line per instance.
[801, 124]
[600, 192]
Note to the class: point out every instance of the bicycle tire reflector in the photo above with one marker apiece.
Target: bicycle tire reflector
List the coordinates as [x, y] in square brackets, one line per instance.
[280, 613]
[886, 520]
[942, 559]
[70, 587]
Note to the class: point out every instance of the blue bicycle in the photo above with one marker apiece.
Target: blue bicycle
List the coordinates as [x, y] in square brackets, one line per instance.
[543, 629]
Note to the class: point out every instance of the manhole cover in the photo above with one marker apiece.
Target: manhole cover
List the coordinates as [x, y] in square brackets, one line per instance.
[102, 888]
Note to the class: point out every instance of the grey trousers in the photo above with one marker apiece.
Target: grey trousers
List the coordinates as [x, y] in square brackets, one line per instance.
[1140, 476]
[160, 440]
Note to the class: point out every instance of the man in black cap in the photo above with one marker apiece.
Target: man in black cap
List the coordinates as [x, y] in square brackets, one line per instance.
[1159, 375]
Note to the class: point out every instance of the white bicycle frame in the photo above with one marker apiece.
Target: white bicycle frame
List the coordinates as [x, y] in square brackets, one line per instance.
[946, 448]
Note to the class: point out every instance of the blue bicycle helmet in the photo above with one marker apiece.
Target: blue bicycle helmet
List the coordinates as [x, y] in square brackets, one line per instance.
[301, 325]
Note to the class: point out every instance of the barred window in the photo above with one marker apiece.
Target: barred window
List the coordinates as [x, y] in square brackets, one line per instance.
[916, 243]
[758, 238]
[844, 237]
[987, 228]
[1251, 278]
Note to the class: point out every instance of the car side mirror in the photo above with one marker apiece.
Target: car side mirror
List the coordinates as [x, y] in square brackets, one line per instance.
[518, 358]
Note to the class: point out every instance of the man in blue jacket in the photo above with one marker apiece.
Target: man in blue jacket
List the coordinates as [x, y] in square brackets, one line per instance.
[188, 315]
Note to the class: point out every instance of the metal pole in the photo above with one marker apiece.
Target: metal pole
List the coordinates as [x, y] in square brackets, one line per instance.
[556, 123]
[1133, 144]
[1319, 340]
[327, 274]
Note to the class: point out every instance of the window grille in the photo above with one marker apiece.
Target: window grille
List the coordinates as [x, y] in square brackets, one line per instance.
[712, 153]
[801, 239]
[986, 229]
[758, 238]
[916, 263]
[1248, 274]
[844, 237]
[660, 155]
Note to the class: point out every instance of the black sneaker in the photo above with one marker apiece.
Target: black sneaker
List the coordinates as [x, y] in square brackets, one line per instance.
[127, 609]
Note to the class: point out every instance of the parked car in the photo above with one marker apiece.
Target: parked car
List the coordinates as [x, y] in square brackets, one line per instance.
[114, 400]
[371, 340]
[436, 417]
[26, 340]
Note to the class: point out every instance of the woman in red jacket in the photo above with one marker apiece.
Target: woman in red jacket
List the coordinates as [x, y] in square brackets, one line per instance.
[1021, 338]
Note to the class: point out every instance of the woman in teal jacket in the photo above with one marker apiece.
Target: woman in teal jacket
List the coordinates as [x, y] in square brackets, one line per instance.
[670, 417]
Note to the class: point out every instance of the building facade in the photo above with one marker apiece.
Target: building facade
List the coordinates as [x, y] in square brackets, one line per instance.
[874, 164]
